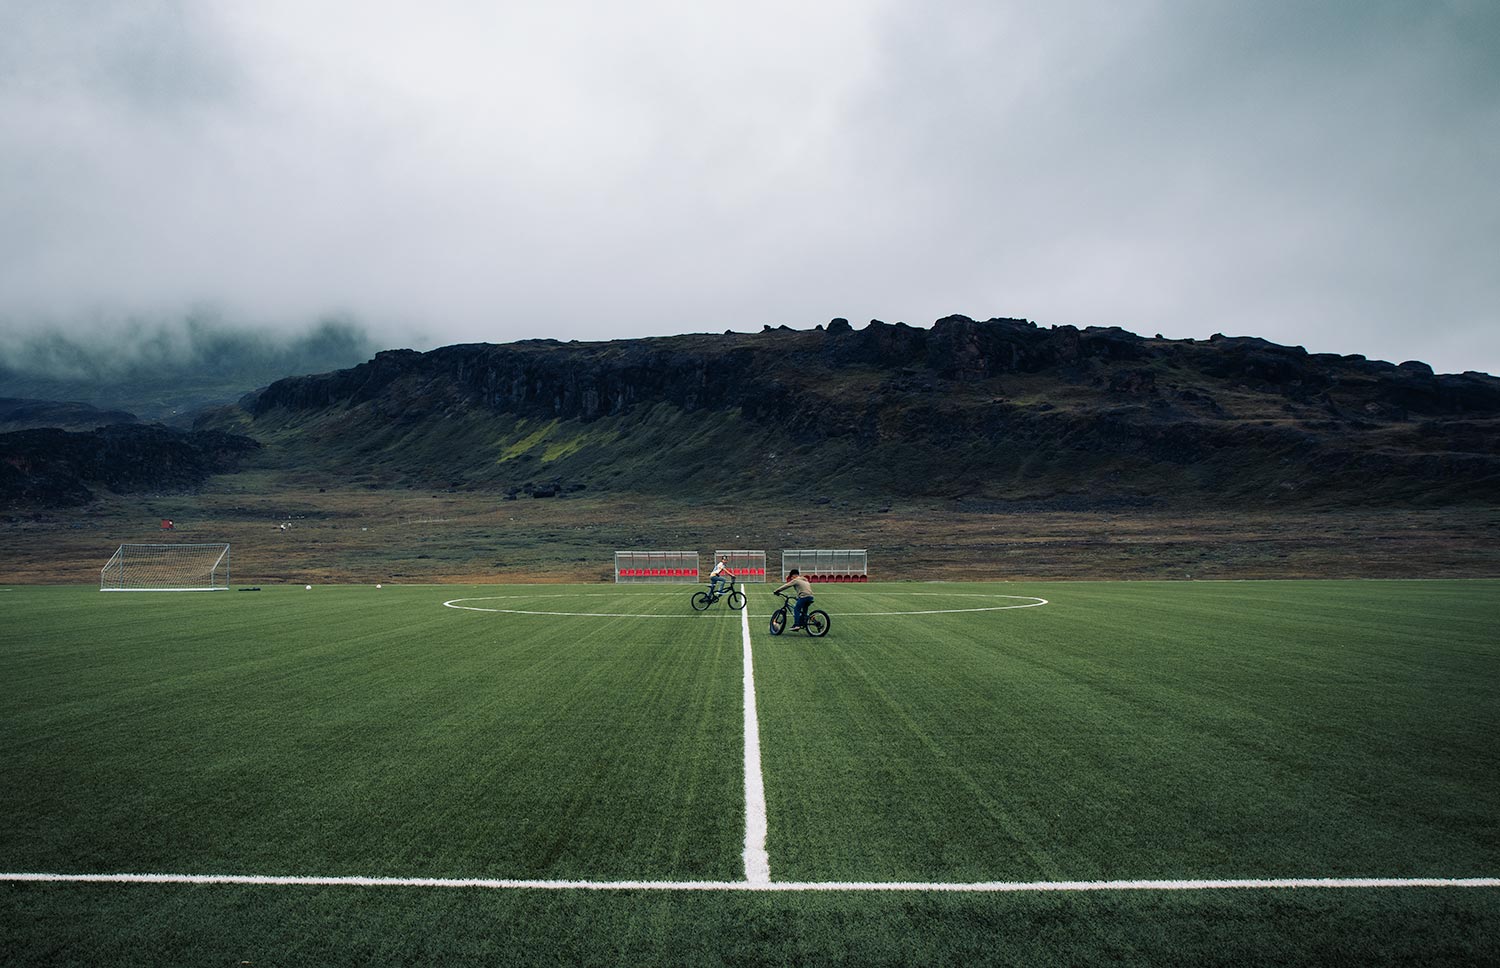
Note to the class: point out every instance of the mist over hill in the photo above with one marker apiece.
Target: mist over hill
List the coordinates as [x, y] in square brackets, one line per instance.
[165, 370]
[999, 411]
[38, 414]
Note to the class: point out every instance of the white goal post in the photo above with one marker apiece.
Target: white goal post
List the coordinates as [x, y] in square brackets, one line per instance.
[167, 568]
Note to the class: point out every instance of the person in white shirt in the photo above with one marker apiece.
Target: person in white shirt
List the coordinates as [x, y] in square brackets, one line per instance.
[721, 575]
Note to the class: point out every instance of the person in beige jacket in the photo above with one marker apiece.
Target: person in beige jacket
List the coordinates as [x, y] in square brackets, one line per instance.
[795, 580]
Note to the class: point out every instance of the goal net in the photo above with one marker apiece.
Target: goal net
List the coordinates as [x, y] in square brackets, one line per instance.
[167, 568]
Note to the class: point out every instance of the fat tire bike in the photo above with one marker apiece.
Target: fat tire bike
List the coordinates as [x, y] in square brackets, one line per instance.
[818, 622]
[701, 600]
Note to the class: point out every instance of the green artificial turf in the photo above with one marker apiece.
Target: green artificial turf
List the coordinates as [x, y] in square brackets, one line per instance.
[1123, 731]
[365, 732]
[1142, 730]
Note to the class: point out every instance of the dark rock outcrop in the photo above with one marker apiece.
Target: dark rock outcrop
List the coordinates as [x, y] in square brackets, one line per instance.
[996, 406]
[58, 468]
[16, 414]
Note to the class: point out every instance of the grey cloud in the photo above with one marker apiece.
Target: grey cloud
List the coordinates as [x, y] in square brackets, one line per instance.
[1314, 173]
[149, 57]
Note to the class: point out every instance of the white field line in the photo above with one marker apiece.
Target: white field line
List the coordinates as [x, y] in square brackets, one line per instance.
[454, 603]
[757, 861]
[980, 887]
[531, 598]
[1028, 602]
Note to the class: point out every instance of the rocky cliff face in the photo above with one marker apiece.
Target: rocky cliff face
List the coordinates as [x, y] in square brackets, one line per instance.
[998, 408]
[586, 381]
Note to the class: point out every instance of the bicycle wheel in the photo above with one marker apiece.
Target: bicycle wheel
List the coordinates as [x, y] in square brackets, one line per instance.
[817, 623]
[778, 620]
[736, 600]
[701, 600]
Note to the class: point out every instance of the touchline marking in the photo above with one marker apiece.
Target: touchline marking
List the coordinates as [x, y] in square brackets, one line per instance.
[757, 861]
[981, 887]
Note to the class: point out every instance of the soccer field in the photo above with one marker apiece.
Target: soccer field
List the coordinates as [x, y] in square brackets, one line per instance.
[986, 773]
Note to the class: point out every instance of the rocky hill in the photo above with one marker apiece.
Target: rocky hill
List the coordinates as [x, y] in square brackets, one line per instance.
[58, 468]
[999, 410]
[33, 414]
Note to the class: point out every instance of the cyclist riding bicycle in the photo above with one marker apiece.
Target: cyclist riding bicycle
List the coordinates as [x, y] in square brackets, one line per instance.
[795, 580]
[720, 576]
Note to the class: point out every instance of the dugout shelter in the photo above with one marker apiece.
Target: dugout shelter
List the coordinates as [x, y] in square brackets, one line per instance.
[827, 564]
[656, 567]
[746, 566]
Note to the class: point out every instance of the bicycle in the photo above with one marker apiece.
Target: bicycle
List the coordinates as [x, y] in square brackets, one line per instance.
[701, 600]
[818, 622]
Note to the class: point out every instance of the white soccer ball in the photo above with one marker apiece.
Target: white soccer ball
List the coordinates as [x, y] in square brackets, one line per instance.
[377, 585]
[309, 588]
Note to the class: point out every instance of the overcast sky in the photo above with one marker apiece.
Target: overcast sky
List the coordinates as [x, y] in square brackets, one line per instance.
[1316, 173]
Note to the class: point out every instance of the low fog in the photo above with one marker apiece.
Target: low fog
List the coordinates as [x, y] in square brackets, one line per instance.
[166, 369]
[203, 344]
[1313, 173]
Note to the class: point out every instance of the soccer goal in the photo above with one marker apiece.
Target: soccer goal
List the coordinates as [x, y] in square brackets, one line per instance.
[167, 568]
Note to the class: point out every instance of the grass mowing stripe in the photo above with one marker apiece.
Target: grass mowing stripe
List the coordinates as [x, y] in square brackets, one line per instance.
[334, 927]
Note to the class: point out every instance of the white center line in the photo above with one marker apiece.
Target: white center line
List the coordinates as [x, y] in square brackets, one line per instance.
[757, 861]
